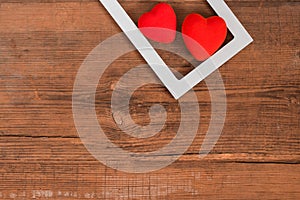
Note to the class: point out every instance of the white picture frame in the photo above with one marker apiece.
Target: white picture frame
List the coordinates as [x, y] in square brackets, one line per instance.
[175, 86]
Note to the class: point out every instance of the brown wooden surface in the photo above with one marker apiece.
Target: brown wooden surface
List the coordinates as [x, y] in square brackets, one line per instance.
[42, 45]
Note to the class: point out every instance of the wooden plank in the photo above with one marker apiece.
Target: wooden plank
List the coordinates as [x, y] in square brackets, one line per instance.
[207, 180]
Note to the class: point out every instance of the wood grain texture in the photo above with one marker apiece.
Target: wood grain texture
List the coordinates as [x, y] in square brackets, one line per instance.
[42, 45]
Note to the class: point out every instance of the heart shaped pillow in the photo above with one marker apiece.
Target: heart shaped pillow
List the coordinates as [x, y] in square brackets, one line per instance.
[203, 37]
[162, 19]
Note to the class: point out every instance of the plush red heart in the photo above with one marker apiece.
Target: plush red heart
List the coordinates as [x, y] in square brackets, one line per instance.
[161, 16]
[203, 37]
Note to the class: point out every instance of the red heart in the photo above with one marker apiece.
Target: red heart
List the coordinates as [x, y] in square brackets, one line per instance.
[161, 16]
[203, 37]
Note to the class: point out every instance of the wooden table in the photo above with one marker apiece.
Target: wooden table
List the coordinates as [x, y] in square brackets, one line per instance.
[42, 45]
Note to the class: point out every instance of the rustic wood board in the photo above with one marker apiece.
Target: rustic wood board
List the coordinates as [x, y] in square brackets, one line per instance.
[42, 45]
